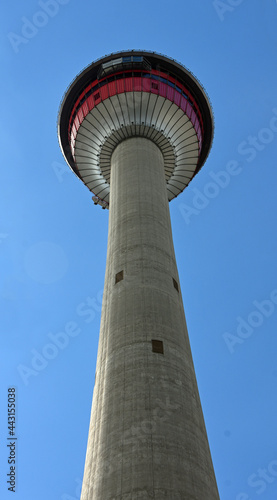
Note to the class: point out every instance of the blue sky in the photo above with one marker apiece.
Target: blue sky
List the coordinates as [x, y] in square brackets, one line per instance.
[53, 239]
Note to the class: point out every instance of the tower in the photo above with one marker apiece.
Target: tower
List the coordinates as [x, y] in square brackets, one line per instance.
[136, 127]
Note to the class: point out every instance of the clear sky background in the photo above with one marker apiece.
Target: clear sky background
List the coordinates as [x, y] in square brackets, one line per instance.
[53, 239]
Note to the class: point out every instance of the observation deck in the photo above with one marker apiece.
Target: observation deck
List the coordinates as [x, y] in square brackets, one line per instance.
[135, 94]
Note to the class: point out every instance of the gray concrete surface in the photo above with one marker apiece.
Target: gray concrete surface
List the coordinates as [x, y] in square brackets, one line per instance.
[147, 437]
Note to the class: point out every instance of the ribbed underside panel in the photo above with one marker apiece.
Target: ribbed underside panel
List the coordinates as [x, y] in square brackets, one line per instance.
[136, 114]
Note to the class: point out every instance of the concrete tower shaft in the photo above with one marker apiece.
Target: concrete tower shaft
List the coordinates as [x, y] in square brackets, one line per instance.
[147, 436]
[136, 127]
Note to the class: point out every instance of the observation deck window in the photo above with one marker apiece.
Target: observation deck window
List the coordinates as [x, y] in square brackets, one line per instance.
[121, 74]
